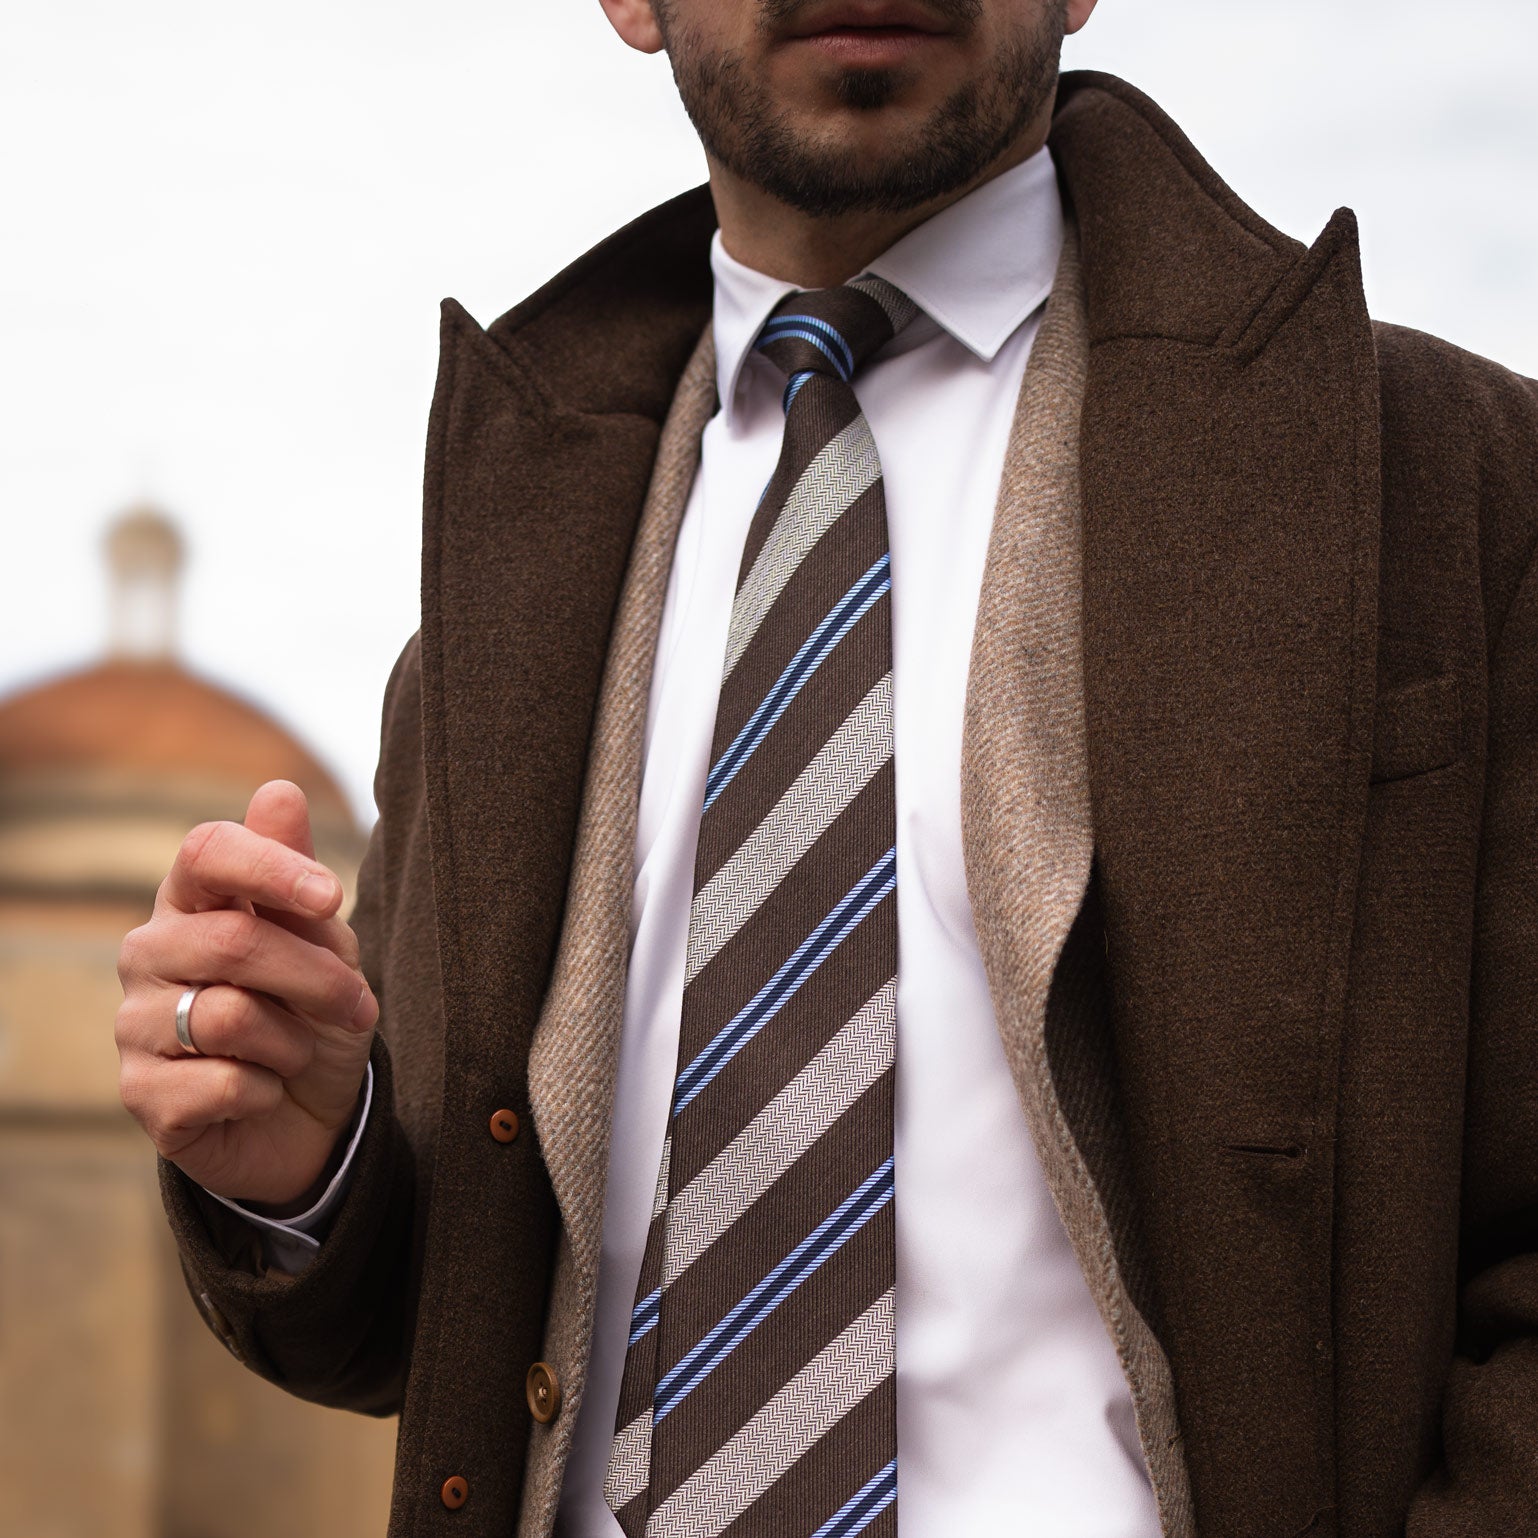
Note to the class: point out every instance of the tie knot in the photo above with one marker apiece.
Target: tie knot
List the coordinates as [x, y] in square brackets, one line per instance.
[833, 330]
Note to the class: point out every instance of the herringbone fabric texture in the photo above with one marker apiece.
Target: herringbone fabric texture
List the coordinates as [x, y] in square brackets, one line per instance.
[758, 1393]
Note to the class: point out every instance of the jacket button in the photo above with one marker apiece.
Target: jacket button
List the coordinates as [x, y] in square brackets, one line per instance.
[504, 1125]
[455, 1493]
[544, 1391]
[221, 1327]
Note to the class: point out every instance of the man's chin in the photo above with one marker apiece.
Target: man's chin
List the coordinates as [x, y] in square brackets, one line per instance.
[830, 188]
[865, 140]
[830, 94]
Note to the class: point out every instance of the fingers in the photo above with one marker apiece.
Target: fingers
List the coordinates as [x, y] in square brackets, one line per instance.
[223, 1022]
[222, 860]
[231, 946]
[174, 1100]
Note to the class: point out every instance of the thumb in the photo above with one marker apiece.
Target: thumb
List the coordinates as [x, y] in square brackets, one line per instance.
[279, 811]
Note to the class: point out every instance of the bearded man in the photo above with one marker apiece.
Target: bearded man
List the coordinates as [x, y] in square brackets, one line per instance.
[953, 931]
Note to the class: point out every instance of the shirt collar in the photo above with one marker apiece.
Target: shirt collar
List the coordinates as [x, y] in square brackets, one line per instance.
[978, 268]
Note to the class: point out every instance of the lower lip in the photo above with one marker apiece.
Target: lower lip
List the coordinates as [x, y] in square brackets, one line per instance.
[872, 47]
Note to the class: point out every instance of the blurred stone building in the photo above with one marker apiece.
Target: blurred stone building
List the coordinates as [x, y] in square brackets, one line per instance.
[122, 1417]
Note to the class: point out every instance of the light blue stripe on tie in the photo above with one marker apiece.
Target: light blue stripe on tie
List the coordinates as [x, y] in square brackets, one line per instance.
[839, 621]
[808, 1257]
[818, 343]
[791, 325]
[793, 388]
[875, 884]
[862, 1508]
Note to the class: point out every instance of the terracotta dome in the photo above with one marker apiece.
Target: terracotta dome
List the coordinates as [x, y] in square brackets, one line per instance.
[155, 718]
[103, 771]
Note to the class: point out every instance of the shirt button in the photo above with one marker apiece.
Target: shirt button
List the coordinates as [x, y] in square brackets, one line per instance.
[455, 1493]
[544, 1391]
[504, 1125]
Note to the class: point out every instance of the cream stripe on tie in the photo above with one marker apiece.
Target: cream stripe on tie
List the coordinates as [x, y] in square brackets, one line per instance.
[780, 1133]
[844, 470]
[843, 768]
[814, 1401]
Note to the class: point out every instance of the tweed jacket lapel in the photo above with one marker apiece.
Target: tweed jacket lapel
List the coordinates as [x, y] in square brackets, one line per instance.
[575, 1052]
[1026, 825]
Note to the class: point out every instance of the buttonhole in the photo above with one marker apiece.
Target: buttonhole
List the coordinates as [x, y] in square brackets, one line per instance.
[1267, 1150]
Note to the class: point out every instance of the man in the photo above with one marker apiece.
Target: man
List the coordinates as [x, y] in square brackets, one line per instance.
[1154, 661]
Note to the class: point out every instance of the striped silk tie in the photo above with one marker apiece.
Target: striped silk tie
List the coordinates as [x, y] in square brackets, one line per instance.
[758, 1397]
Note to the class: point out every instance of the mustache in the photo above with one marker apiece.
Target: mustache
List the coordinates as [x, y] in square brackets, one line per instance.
[958, 15]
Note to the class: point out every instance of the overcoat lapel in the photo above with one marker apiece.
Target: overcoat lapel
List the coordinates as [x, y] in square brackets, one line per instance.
[539, 457]
[1229, 460]
[540, 450]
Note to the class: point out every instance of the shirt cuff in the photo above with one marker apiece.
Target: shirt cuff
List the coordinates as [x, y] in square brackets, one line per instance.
[290, 1244]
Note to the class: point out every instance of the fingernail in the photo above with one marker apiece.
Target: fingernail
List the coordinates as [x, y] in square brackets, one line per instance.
[317, 893]
[367, 1012]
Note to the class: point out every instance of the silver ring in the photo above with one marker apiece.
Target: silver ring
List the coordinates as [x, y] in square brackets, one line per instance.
[184, 1018]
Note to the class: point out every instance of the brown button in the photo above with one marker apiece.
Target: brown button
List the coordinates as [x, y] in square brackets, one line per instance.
[504, 1125]
[455, 1493]
[544, 1391]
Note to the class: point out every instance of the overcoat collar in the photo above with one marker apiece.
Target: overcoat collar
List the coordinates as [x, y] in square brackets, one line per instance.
[1229, 468]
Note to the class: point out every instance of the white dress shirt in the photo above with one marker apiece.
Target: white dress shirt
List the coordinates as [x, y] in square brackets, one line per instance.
[1013, 1416]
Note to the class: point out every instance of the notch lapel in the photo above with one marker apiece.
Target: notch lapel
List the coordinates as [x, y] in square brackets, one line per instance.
[1028, 840]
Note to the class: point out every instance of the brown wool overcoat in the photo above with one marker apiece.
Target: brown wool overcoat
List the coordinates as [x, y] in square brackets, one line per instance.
[1308, 1092]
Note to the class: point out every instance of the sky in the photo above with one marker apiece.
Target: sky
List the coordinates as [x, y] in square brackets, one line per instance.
[225, 231]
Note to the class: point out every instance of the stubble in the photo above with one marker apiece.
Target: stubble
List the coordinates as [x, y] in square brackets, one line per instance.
[740, 125]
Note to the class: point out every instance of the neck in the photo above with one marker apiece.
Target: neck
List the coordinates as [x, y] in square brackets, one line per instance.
[824, 250]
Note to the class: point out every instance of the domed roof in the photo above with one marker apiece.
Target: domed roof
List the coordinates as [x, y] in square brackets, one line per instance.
[153, 718]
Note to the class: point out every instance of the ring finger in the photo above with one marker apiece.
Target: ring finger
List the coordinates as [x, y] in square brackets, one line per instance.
[225, 1021]
[225, 946]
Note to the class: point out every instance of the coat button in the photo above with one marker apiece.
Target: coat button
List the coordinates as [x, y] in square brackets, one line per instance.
[504, 1125]
[455, 1493]
[544, 1391]
[221, 1327]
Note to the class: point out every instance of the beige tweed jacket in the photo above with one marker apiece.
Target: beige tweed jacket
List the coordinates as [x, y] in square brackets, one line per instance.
[1027, 842]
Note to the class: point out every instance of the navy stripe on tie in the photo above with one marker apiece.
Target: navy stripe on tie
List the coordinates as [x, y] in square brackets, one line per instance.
[862, 1508]
[645, 1314]
[880, 879]
[808, 1257]
[838, 622]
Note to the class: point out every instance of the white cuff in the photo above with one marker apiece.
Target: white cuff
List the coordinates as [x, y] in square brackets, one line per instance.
[289, 1244]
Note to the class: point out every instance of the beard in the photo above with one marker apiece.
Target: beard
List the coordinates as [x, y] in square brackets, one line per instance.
[741, 126]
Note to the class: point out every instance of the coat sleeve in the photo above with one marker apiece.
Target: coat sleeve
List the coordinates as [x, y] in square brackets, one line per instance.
[1487, 1478]
[337, 1333]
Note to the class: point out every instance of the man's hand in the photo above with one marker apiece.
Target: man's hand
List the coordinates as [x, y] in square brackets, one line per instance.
[283, 1025]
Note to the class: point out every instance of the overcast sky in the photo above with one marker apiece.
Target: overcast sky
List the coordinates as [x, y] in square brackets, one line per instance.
[226, 230]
